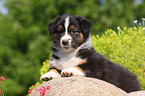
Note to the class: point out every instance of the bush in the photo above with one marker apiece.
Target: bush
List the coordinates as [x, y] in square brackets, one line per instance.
[125, 47]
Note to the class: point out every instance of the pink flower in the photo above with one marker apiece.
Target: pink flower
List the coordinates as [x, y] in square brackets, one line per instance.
[31, 88]
[2, 78]
[43, 88]
[29, 91]
[37, 89]
[34, 85]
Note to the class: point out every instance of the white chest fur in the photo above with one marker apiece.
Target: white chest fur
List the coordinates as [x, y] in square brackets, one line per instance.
[66, 60]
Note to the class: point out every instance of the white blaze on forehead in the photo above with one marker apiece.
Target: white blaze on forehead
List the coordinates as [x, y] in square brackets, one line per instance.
[66, 24]
[66, 35]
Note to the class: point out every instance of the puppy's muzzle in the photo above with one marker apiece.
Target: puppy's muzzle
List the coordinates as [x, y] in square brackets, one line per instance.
[66, 41]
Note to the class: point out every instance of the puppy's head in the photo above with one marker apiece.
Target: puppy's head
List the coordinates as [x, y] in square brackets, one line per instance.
[69, 31]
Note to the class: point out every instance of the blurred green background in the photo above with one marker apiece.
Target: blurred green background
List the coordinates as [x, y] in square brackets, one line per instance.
[25, 42]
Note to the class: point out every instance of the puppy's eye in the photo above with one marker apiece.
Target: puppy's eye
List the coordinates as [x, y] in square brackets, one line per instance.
[59, 30]
[76, 32]
[73, 31]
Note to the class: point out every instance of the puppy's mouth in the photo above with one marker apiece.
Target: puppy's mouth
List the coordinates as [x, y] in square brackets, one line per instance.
[66, 47]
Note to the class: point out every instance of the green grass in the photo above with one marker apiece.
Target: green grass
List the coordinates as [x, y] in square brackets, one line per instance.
[126, 47]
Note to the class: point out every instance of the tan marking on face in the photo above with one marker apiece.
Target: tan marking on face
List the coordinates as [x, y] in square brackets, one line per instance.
[60, 27]
[72, 27]
[53, 70]
[81, 38]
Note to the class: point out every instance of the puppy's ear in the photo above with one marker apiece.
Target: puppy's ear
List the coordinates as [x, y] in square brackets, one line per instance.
[85, 25]
[51, 25]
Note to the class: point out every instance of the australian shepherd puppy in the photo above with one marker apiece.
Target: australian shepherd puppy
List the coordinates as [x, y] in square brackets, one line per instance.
[73, 55]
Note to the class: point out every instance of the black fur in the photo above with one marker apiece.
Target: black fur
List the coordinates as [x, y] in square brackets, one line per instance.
[51, 26]
[85, 25]
[97, 66]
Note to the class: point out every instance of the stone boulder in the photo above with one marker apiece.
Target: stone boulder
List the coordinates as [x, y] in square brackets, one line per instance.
[136, 93]
[79, 86]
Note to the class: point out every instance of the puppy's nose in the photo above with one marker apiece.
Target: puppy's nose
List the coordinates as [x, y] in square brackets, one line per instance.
[65, 42]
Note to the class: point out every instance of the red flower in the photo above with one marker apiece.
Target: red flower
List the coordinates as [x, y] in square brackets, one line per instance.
[48, 87]
[42, 91]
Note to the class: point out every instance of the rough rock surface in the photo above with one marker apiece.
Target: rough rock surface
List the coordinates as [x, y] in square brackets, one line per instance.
[136, 93]
[79, 86]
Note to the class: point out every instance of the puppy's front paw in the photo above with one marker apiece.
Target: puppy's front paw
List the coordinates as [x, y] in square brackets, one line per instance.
[66, 73]
[46, 77]
[72, 71]
[50, 75]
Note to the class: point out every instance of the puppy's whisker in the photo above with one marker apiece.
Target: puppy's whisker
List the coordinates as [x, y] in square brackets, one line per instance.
[52, 42]
[54, 53]
[54, 46]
